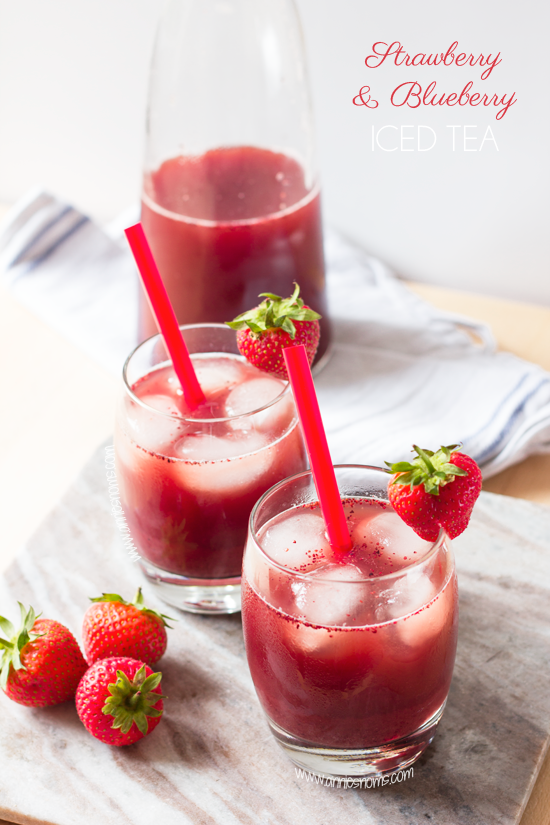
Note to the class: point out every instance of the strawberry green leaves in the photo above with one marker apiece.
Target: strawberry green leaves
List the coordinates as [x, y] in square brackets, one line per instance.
[263, 333]
[132, 701]
[433, 470]
[16, 641]
[275, 313]
[138, 603]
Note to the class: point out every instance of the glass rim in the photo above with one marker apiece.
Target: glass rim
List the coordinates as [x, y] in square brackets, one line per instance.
[137, 400]
[435, 546]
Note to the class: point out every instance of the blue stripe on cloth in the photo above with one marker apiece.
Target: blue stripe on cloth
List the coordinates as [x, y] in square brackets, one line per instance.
[39, 235]
[36, 261]
[495, 445]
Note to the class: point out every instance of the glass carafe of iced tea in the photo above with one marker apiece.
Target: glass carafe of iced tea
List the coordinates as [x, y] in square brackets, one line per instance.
[230, 201]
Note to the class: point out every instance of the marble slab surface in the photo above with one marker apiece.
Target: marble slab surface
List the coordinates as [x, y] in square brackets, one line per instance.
[212, 760]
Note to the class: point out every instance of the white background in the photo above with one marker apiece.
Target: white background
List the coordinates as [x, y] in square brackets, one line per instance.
[73, 78]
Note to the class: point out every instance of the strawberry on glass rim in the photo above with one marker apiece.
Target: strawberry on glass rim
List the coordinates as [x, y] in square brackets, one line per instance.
[265, 331]
[435, 490]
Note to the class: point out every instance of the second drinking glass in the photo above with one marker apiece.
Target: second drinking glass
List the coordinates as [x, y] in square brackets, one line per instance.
[188, 483]
[351, 654]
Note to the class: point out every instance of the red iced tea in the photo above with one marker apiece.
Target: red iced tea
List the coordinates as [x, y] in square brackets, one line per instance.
[352, 651]
[188, 480]
[229, 224]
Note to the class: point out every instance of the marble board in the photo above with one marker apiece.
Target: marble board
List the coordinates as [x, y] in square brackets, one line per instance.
[212, 760]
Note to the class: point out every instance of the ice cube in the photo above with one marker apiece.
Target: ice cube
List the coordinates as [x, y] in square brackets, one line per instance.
[334, 617]
[202, 446]
[150, 430]
[216, 375]
[337, 601]
[409, 595]
[256, 393]
[126, 456]
[253, 394]
[297, 541]
[162, 403]
[387, 543]
[218, 466]
[161, 381]
[427, 615]
[412, 592]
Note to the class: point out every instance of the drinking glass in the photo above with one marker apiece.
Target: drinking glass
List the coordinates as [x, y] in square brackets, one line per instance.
[351, 656]
[187, 484]
[230, 202]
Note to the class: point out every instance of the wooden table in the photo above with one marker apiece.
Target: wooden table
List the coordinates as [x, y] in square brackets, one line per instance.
[58, 406]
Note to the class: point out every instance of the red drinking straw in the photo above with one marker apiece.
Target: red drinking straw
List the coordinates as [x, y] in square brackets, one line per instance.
[165, 316]
[322, 470]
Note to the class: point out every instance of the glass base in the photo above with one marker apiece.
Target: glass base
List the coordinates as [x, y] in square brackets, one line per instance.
[208, 596]
[372, 761]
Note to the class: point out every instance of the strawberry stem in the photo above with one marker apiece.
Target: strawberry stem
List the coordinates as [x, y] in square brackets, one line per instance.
[133, 701]
[423, 454]
[11, 648]
[137, 603]
[433, 470]
[275, 313]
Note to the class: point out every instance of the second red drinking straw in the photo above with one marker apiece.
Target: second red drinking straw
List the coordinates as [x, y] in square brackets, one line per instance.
[320, 461]
[165, 316]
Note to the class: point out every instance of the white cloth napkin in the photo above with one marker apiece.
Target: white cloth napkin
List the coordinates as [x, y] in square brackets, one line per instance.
[73, 275]
[401, 371]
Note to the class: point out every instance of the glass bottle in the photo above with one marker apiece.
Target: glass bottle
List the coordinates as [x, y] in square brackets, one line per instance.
[231, 203]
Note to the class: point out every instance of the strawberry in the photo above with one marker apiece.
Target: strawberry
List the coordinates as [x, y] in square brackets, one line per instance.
[40, 663]
[115, 627]
[124, 689]
[435, 490]
[277, 323]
